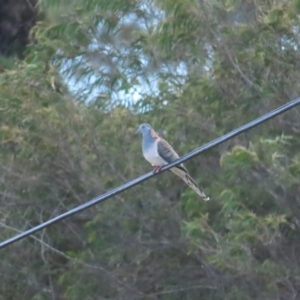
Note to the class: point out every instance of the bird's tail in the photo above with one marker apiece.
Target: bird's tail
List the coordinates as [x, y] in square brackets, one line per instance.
[190, 182]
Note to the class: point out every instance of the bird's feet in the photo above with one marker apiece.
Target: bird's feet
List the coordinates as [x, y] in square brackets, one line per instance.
[157, 169]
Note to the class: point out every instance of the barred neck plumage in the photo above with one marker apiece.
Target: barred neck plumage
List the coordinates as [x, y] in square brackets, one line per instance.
[148, 139]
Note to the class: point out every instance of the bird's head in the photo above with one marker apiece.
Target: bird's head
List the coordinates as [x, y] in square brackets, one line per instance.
[144, 128]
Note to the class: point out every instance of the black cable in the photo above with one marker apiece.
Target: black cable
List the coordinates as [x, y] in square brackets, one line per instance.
[147, 176]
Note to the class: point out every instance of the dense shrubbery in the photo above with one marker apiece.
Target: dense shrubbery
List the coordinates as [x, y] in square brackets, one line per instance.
[69, 111]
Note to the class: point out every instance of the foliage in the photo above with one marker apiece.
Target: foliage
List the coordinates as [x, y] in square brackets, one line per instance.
[194, 70]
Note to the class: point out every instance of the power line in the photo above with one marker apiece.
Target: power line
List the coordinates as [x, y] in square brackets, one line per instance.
[149, 175]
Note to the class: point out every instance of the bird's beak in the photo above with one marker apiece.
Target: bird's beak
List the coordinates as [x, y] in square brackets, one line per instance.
[137, 131]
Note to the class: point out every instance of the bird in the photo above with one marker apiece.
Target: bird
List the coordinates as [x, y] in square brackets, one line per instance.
[159, 153]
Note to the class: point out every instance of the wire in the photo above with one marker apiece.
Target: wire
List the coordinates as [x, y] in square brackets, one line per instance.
[149, 175]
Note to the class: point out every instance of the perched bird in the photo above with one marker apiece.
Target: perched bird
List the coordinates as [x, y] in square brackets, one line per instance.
[159, 153]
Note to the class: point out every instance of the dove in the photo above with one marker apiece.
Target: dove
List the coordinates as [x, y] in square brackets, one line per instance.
[159, 153]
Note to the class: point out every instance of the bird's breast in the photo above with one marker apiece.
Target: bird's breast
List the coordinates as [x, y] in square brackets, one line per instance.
[152, 156]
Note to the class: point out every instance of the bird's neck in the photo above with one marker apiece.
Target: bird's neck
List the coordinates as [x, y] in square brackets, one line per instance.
[148, 139]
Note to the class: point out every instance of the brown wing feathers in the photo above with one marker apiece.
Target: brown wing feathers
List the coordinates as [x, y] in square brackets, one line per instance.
[166, 151]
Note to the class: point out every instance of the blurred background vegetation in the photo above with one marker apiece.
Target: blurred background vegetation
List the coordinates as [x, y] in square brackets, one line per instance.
[78, 77]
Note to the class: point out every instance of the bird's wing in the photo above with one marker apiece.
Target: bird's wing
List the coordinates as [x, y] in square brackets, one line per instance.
[167, 153]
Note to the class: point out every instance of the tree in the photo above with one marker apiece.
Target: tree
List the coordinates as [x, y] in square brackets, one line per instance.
[194, 70]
